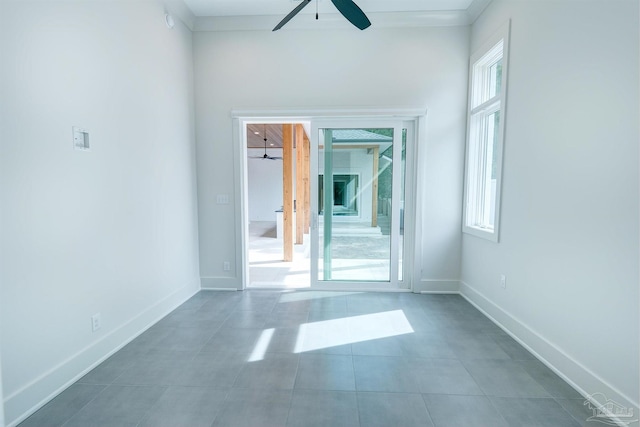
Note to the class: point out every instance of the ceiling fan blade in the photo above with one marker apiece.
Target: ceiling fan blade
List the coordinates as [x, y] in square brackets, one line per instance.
[265, 157]
[293, 13]
[353, 13]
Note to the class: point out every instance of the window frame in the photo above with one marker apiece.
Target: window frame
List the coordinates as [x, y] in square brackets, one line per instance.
[480, 107]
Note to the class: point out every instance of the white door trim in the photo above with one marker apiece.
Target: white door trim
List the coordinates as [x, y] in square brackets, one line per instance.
[361, 122]
[243, 116]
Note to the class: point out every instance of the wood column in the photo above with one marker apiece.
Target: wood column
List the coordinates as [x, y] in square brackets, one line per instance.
[287, 191]
[307, 184]
[300, 187]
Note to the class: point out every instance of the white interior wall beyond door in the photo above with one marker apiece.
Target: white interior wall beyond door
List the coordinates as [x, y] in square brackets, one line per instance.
[310, 69]
[569, 226]
[264, 184]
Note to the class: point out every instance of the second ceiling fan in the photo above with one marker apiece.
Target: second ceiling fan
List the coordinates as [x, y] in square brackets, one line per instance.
[266, 156]
[347, 8]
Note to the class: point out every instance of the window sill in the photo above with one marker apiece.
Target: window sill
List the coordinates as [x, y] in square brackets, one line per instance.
[483, 233]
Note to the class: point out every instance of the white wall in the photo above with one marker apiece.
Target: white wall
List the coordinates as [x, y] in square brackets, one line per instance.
[2, 424]
[110, 231]
[569, 231]
[410, 67]
[264, 185]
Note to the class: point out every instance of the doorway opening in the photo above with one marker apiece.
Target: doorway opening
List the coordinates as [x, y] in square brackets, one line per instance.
[278, 209]
[327, 203]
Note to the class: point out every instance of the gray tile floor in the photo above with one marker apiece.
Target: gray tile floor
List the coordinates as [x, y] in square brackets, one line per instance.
[267, 358]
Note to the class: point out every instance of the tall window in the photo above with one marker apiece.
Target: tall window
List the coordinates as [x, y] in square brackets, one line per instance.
[487, 96]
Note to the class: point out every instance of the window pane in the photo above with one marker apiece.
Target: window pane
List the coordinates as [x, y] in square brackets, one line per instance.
[345, 195]
[485, 140]
[494, 159]
[487, 76]
[483, 173]
[489, 202]
[495, 78]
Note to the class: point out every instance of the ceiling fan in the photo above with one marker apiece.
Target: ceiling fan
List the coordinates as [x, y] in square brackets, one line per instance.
[347, 8]
[266, 156]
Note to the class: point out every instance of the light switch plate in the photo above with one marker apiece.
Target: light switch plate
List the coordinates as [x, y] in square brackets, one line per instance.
[81, 139]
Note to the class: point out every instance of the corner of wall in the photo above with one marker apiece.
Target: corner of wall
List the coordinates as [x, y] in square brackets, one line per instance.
[19, 405]
[581, 378]
[476, 8]
[182, 11]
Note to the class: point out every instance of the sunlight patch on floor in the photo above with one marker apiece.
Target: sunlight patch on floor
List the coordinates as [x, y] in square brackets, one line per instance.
[349, 330]
[261, 346]
[311, 295]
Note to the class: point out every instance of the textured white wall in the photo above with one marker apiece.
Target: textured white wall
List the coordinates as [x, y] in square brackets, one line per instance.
[569, 232]
[113, 230]
[264, 185]
[401, 68]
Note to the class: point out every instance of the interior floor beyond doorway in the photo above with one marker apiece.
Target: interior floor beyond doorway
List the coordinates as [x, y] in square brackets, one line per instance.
[266, 266]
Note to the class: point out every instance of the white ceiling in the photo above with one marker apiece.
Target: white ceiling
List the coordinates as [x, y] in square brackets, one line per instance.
[205, 8]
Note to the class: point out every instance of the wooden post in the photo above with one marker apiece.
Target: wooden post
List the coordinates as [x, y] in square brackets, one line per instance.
[287, 190]
[307, 184]
[374, 188]
[300, 205]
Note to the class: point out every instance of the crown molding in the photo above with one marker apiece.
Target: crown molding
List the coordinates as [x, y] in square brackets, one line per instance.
[476, 8]
[333, 21]
[327, 21]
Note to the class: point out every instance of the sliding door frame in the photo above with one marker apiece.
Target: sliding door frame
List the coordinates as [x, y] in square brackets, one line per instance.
[397, 124]
[414, 120]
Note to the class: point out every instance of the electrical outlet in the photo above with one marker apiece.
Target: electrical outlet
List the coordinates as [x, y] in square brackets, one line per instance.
[503, 281]
[226, 266]
[95, 322]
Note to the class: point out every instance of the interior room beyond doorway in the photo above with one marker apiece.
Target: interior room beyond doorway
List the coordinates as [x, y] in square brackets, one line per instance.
[278, 205]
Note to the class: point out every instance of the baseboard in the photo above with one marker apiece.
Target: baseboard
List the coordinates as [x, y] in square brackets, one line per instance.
[220, 283]
[581, 378]
[28, 399]
[436, 287]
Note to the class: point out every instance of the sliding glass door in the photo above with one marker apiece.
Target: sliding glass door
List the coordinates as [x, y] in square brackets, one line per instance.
[358, 191]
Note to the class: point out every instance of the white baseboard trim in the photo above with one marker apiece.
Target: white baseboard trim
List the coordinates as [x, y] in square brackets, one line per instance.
[350, 288]
[220, 283]
[426, 286]
[581, 378]
[22, 403]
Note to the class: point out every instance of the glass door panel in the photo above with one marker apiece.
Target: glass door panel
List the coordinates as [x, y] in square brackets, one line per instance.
[403, 171]
[356, 211]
